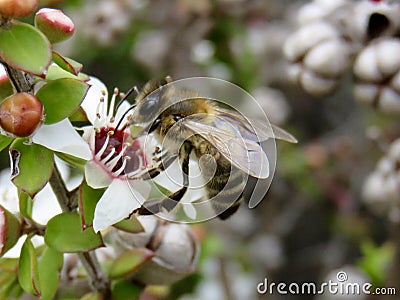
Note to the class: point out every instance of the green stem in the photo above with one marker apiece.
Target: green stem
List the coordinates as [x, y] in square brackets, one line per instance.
[18, 79]
[66, 199]
[29, 226]
[99, 280]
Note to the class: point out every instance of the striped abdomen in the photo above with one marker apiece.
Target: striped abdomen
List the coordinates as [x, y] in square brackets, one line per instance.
[225, 189]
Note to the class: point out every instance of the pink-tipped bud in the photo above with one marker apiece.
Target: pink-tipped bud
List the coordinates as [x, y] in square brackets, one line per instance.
[54, 24]
[10, 230]
[6, 88]
[21, 114]
[17, 8]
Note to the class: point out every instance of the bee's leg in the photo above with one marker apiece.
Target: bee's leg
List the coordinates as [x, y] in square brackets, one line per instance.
[169, 203]
[154, 171]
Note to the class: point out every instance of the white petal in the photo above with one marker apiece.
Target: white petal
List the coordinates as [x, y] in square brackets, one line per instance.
[62, 137]
[8, 192]
[121, 111]
[95, 92]
[96, 176]
[118, 201]
[45, 205]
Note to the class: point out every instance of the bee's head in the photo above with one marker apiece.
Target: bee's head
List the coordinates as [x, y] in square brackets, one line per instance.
[149, 101]
[160, 105]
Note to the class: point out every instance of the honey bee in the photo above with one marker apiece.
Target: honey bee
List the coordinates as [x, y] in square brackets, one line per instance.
[226, 144]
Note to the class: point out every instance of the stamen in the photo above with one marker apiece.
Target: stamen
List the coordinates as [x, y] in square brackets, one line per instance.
[112, 104]
[105, 110]
[133, 174]
[121, 169]
[105, 159]
[112, 163]
[98, 122]
[103, 148]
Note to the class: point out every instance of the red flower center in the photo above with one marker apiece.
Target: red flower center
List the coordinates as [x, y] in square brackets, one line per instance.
[115, 151]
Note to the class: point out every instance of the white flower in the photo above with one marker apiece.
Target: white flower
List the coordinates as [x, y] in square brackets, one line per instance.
[114, 156]
[62, 137]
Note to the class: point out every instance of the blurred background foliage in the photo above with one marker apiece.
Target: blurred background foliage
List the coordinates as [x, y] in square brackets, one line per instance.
[313, 220]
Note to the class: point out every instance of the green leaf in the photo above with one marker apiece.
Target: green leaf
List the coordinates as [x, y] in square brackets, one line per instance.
[87, 201]
[129, 262]
[56, 72]
[25, 204]
[8, 265]
[10, 230]
[125, 290]
[4, 141]
[28, 275]
[6, 88]
[83, 77]
[67, 64]
[9, 286]
[50, 264]
[79, 117]
[131, 225]
[376, 261]
[24, 47]
[32, 166]
[61, 98]
[64, 234]
[7, 281]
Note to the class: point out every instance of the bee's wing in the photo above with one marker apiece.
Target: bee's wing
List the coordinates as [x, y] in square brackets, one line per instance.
[245, 154]
[255, 129]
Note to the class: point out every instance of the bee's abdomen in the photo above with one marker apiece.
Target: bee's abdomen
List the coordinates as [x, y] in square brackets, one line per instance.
[225, 190]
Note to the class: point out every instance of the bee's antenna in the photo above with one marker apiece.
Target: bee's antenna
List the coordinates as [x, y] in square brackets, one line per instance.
[131, 90]
[125, 96]
[124, 115]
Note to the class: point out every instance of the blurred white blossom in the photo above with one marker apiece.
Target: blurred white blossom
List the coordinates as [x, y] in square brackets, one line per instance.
[381, 190]
[331, 34]
[377, 72]
[319, 57]
[175, 245]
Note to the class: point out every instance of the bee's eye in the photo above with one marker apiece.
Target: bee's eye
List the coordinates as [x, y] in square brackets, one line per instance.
[177, 117]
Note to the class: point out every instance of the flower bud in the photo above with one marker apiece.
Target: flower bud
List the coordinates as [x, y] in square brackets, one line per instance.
[371, 19]
[377, 71]
[319, 55]
[316, 85]
[6, 88]
[21, 114]
[10, 230]
[17, 8]
[329, 58]
[175, 246]
[54, 24]
[307, 37]
[318, 10]
[381, 189]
